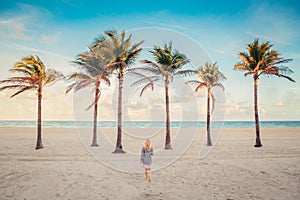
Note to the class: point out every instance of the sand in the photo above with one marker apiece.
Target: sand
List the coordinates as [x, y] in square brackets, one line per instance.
[234, 169]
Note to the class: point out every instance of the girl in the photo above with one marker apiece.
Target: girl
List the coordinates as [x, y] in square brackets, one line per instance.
[146, 158]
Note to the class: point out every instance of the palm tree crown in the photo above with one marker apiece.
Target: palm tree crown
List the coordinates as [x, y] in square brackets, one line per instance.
[35, 75]
[93, 72]
[261, 60]
[169, 61]
[119, 49]
[209, 75]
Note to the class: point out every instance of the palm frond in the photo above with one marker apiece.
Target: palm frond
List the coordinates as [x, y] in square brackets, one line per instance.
[282, 60]
[185, 72]
[23, 89]
[285, 70]
[21, 70]
[127, 43]
[135, 46]
[52, 76]
[82, 84]
[114, 38]
[145, 80]
[94, 102]
[27, 80]
[78, 76]
[105, 79]
[70, 87]
[150, 84]
[132, 55]
[287, 77]
[219, 85]
[258, 65]
[239, 67]
[249, 73]
[202, 84]
[142, 70]
[12, 87]
[193, 82]
[151, 64]
[115, 66]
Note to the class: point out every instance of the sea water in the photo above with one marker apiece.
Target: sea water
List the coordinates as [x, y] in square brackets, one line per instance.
[151, 124]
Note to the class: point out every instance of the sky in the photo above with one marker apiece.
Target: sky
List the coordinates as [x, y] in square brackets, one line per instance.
[216, 31]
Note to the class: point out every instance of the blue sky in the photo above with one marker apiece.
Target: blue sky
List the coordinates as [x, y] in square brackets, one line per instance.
[58, 30]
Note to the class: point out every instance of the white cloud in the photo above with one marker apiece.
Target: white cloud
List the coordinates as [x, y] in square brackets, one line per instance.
[30, 49]
[13, 29]
[279, 104]
[276, 23]
[23, 22]
[50, 38]
[238, 110]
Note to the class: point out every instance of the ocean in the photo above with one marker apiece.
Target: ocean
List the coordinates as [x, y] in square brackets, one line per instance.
[153, 124]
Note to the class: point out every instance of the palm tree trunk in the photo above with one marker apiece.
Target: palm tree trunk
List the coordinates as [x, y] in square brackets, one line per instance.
[39, 144]
[119, 147]
[208, 118]
[257, 141]
[168, 135]
[94, 142]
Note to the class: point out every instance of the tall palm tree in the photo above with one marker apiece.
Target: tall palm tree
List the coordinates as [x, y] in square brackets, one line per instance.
[124, 55]
[169, 61]
[93, 72]
[34, 76]
[261, 60]
[209, 76]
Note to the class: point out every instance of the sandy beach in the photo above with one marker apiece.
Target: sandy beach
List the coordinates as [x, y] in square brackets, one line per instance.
[234, 169]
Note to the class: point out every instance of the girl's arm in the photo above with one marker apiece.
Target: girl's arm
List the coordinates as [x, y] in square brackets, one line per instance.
[142, 155]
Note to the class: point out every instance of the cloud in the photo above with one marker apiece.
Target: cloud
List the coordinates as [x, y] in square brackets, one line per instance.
[13, 29]
[283, 110]
[21, 47]
[266, 37]
[50, 38]
[278, 24]
[279, 104]
[22, 22]
[238, 110]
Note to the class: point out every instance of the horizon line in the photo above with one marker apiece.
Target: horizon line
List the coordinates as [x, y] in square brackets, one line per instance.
[15, 120]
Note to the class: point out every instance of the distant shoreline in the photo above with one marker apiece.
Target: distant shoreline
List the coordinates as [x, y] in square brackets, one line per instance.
[153, 124]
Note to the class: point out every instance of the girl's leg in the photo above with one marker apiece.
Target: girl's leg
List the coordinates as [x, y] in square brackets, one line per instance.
[148, 173]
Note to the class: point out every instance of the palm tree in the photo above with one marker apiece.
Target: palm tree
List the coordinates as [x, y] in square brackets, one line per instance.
[169, 61]
[209, 76]
[34, 76]
[124, 55]
[261, 60]
[93, 73]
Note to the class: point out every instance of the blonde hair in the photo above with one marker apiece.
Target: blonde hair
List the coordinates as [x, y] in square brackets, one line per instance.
[147, 145]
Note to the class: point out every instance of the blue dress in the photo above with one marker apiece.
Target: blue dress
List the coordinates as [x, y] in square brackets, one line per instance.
[146, 158]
